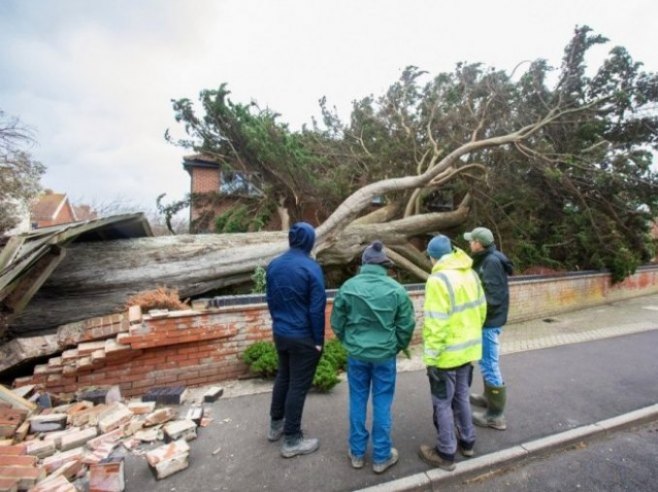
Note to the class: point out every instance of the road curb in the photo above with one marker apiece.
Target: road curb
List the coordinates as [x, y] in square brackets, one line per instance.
[488, 463]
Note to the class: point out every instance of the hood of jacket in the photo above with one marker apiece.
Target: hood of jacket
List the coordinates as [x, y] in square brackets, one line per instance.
[508, 266]
[457, 260]
[302, 236]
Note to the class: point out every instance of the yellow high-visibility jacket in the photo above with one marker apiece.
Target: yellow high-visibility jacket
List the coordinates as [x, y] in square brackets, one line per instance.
[455, 310]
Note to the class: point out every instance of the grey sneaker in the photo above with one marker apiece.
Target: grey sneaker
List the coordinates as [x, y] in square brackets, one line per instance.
[276, 430]
[430, 456]
[382, 467]
[294, 446]
[357, 462]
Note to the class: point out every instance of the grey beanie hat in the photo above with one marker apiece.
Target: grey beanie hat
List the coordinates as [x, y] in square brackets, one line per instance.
[374, 255]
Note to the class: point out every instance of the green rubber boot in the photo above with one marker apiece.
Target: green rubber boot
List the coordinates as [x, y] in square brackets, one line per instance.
[493, 416]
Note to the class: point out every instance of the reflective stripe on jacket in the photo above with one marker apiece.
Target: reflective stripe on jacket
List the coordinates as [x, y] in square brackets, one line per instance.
[455, 309]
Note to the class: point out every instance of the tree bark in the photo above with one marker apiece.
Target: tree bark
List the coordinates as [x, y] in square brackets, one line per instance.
[97, 278]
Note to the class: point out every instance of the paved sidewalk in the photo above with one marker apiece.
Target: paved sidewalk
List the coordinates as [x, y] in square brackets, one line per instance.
[568, 385]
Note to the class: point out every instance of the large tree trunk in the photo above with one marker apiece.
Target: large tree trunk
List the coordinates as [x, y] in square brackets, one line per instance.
[97, 278]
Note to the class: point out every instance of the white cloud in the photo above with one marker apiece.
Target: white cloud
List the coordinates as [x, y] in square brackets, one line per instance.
[96, 78]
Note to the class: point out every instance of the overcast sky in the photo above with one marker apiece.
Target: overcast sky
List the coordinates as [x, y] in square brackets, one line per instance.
[95, 78]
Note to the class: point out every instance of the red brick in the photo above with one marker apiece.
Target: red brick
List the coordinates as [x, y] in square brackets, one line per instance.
[8, 484]
[188, 350]
[144, 383]
[106, 477]
[177, 357]
[197, 381]
[27, 475]
[16, 449]
[17, 460]
[53, 484]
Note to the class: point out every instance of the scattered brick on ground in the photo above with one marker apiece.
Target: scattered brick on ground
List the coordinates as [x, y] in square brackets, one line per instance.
[75, 444]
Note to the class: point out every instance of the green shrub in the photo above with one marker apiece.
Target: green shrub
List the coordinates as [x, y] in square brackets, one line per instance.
[336, 353]
[326, 376]
[262, 359]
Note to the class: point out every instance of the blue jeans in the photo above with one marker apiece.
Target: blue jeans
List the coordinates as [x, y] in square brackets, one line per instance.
[490, 355]
[451, 409]
[361, 375]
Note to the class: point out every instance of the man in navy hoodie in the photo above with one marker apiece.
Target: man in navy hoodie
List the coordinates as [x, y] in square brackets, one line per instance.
[296, 299]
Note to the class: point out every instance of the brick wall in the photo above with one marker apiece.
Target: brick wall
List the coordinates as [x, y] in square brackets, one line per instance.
[205, 180]
[203, 347]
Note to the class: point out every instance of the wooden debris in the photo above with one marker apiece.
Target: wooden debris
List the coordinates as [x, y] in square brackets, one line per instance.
[14, 400]
[24, 391]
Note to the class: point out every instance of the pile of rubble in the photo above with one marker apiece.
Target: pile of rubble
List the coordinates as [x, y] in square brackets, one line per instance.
[53, 446]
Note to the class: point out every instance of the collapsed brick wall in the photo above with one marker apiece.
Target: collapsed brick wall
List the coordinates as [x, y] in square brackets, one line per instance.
[201, 347]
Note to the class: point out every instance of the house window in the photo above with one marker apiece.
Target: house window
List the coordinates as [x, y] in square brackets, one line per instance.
[239, 183]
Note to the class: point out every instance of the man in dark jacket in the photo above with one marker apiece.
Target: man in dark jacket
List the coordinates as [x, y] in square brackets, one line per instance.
[296, 299]
[374, 319]
[493, 267]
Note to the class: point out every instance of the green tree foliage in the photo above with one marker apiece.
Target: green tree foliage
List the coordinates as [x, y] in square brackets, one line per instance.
[20, 174]
[251, 140]
[259, 279]
[576, 193]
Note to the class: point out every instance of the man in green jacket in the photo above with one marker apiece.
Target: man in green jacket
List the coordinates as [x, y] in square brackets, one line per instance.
[374, 319]
[455, 308]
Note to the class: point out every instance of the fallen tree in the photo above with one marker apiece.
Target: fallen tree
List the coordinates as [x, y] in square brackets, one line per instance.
[97, 278]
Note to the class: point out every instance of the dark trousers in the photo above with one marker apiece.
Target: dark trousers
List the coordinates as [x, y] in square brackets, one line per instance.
[298, 359]
[450, 401]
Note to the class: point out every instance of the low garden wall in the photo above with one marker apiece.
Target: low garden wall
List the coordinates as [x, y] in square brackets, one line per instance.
[205, 345]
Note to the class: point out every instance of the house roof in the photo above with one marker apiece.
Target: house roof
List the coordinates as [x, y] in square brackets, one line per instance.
[47, 206]
[84, 212]
[199, 160]
[28, 259]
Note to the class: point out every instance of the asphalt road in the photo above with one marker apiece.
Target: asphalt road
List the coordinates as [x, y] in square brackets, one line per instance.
[550, 390]
[624, 461]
